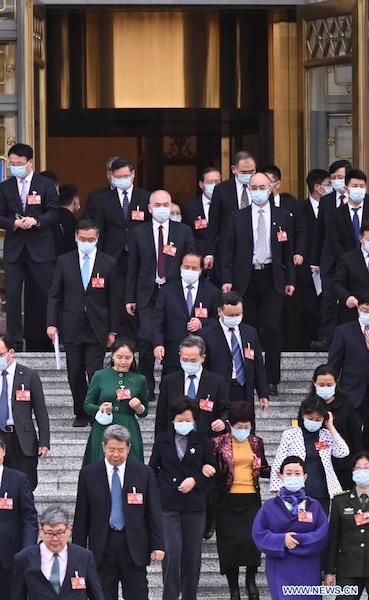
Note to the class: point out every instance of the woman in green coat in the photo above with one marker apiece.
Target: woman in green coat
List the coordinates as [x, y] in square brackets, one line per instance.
[116, 396]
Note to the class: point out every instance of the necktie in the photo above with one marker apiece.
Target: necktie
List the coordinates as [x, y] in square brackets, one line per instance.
[125, 205]
[261, 249]
[4, 407]
[366, 337]
[356, 226]
[23, 183]
[161, 257]
[85, 271]
[244, 197]
[364, 500]
[55, 574]
[116, 515]
[189, 299]
[191, 390]
[342, 199]
[237, 359]
[181, 445]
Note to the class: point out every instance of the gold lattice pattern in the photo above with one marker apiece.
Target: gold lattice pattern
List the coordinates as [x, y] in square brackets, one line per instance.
[329, 38]
[39, 40]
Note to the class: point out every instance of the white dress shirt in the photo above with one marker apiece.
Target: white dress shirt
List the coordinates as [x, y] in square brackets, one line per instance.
[228, 336]
[20, 183]
[206, 206]
[47, 561]
[277, 200]
[366, 257]
[110, 469]
[314, 205]
[268, 222]
[1, 474]
[359, 212]
[239, 189]
[91, 262]
[338, 201]
[155, 229]
[121, 195]
[10, 380]
[195, 289]
[196, 381]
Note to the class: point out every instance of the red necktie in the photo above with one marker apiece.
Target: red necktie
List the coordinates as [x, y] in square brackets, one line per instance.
[161, 257]
[342, 199]
[366, 335]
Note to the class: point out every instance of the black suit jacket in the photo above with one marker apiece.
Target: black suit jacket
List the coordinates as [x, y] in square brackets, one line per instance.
[29, 583]
[341, 232]
[350, 356]
[171, 316]
[37, 240]
[64, 231]
[303, 272]
[352, 276]
[321, 252]
[211, 386]
[68, 299]
[93, 201]
[238, 251]
[115, 230]
[28, 379]
[191, 211]
[143, 522]
[142, 260]
[170, 471]
[219, 358]
[224, 201]
[298, 223]
[18, 527]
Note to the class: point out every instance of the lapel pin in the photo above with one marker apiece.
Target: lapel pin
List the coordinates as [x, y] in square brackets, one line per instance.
[192, 450]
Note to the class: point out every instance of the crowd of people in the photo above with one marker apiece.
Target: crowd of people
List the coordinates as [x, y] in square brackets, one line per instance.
[204, 288]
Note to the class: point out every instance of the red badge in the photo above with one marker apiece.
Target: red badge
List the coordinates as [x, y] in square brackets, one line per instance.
[78, 583]
[34, 199]
[98, 282]
[170, 250]
[256, 462]
[362, 518]
[138, 215]
[201, 313]
[250, 353]
[206, 404]
[133, 498]
[305, 516]
[324, 445]
[23, 395]
[6, 503]
[201, 224]
[124, 394]
[282, 236]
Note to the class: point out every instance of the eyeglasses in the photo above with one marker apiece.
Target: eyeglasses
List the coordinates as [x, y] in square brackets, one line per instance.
[11, 164]
[365, 469]
[51, 534]
[120, 452]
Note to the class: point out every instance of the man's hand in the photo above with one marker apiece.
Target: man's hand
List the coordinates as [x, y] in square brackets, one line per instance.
[29, 222]
[289, 289]
[187, 485]
[157, 555]
[159, 352]
[298, 260]
[51, 331]
[208, 470]
[289, 540]
[19, 224]
[328, 579]
[352, 302]
[110, 340]
[264, 403]
[194, 324]
[218, 425]
[208, 262]
[131, 308]
[42, 452]
[226, 287]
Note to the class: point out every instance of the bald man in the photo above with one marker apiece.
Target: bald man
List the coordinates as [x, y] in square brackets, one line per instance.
[258, 264]
[155, 256]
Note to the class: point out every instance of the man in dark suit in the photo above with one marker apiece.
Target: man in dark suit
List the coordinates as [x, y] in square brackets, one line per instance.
[55, 568]
[96, 196]
[228, 196]
[84, 306]
[258, 264]
[21, 398]
[208, 390]
[118, 514]
[156, 252]
[18, 520]
[221, 356]
[349, 353]
[28, 206]
[183, 307]
[64, 231]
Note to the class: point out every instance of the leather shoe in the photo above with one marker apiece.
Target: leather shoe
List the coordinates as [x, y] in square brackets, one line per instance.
[235, 595]
[209, 532]
[80, 422]
[273, 390]
[320, 345]
[252, 590]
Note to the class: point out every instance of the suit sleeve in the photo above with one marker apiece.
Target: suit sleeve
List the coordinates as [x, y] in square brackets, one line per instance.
[313, 542]
[132, 269]
[340, 281]
[28, 514]
[154, 514]
[230, 250]
[162, 408]
[354, 431]
[92, 400]
[318, 239]
[272, 544]
[114, 299]
[337, 351]
[40, 410]
[55, 296]
[155, 458]
[203, 482]
[334, 234]
[223, 400]
[287, 255]
[261, 379]
[19, 584]
[93, 581]
[6, 222]
[82, 514]
[214, 222]
[159, 319]
[189, 245]
[301, 232]
[51, 204]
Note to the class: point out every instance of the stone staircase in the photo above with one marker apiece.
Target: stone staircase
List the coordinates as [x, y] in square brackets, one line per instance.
[58, 473]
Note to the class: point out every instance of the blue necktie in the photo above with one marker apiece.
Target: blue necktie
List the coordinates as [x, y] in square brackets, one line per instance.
[356, 226]
[4, 407]
[189, 299]
[125, 205]
[191, 390]
[85, 271]
[55, 574]
[237, 359]
[116, 515]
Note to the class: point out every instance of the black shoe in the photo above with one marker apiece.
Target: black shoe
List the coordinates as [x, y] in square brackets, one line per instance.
[252, 590]
[235, 595]
[151, 397]
[80, 422]
[273, 390]
[320, 345]
[209, 532]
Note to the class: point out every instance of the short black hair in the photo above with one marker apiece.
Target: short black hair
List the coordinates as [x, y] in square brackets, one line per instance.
[292, 460]
[338, 164]
[86, 224]
[207, 170]
[232, 298]
[194, 253]
[21, 150]
[354, 174]
[119, 342]
[316, 176]
[180, 405]
[240, 411]
[67, 193]
[364, 226]
[273, 170]
[362, 454]
[121, 162]
[363, 299]
[242, 155]
[9, 344]
[310, 405]
[50, 175]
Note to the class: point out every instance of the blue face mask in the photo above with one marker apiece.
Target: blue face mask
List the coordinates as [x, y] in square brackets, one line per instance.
[365, 246]
[161, 214]
[183, 428]
[86, 247]
[244, 178]
[176, 218]
[189, 276]
[339, 185]
[19, 171]
[209, 189]
[364, 318]
[232, 321]
[240, 434]
[259, 196]
[122, 183]
[357, 194]
[326, 392]
[190, 368]
[312, 425]
[3, 363]
[361, 478]
[293, 483]
[328, 189]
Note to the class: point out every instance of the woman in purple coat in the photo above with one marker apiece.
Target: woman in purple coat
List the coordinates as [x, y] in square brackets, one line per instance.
[291, 529]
